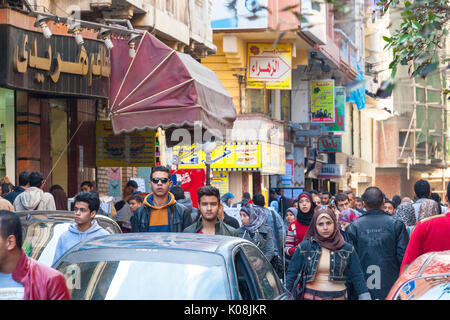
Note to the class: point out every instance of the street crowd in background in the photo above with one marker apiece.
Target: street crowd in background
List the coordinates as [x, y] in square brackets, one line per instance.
[323, 246]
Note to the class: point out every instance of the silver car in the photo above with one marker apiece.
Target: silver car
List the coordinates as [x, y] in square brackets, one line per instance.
[42, 229]
[180, 266]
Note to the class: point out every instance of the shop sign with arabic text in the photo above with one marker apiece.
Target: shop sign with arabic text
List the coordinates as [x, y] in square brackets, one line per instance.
[330, 144]
[269, 66]
[53, 66]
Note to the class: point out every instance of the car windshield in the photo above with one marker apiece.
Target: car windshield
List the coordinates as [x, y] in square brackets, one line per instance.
[145, 274]
[429, 288]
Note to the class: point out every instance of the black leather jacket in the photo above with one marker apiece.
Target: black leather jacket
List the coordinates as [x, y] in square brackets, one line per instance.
[344, 265]
[381, 242]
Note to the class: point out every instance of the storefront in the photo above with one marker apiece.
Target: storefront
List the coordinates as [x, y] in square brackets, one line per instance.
[50, 91]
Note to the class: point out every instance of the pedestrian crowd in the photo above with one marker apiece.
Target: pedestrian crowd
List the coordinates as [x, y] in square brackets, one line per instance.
[323, 246]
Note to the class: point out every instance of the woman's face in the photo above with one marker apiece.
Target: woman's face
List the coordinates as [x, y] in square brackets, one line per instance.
[304, 205]
[245, 218]
[325, 227]
[290, 216]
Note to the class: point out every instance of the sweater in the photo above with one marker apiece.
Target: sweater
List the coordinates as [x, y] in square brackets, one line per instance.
[295, 234]
[430, 234]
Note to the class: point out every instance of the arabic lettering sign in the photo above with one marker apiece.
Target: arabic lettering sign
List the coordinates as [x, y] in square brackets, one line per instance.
[330, 144]
[135, 149]
[54, 66]
[339, 109]
[269, 65]
[236, 156]
[322, 106]
[220, 181]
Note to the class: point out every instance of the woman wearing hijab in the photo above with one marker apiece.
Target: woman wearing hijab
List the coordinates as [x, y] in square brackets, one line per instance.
[428, 208]
[255, 229]
[60, 197]
[325, 264]
[226, 199]
[405, 213]
[297, 229]
[346, 217]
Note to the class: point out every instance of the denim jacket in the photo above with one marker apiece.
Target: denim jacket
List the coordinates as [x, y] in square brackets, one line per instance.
[344, 266]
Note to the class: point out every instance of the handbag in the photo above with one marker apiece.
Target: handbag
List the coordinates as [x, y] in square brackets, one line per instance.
[300, 283]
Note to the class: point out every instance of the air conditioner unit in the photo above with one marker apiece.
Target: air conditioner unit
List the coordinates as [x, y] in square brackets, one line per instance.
[322, 157]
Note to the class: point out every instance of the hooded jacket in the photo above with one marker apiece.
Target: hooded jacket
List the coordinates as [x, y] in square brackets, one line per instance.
[178, 217]
[34, 198]
[187, 202]
[73, 236]
[39, 281]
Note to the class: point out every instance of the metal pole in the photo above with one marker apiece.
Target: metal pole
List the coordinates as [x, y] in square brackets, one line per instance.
[208, 169]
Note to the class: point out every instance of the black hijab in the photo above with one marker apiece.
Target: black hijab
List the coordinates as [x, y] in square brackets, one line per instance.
[305, 218]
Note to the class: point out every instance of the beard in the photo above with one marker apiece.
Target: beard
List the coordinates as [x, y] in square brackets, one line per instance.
[211, 217]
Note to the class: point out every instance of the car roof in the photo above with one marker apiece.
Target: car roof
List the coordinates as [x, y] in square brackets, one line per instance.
[163, 240]
[428, 264]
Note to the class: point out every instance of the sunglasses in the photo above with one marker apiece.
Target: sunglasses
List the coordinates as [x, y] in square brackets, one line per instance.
[163, 180]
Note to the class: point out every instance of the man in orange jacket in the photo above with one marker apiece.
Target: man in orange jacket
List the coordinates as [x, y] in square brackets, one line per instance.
[21, 277]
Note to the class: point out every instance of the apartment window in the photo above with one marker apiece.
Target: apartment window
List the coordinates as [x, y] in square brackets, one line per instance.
[170, 7]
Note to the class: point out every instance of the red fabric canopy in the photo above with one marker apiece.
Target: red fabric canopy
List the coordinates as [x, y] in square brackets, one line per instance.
[161, 87]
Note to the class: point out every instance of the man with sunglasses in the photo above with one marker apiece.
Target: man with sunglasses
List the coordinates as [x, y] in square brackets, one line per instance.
[160, 211]
[85, 227]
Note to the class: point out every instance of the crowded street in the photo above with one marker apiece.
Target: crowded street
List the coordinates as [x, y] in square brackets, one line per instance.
[217, 150]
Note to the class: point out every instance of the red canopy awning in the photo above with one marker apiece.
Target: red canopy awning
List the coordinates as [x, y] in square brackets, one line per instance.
[161, 87]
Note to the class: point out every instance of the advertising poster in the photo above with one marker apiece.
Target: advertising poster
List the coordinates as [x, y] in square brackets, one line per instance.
[236, 156]
[190, 180]
[322, 101]
[269, 65]
[339, 109]
[220, 181]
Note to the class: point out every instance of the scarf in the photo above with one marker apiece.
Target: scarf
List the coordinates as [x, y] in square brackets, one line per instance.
[335, 241]
[305, 218]
[257, 216]
[428, 208]
[226, 197]
[348, 215]
[405, 213]
[294, 212]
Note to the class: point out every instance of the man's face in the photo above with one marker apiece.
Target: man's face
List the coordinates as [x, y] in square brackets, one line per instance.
[83, 216]
[359, 205]
[85, 188]
[351, 200]
[160, 183]
[6, 246]
[134, 205]
[317, 200]
[389, 208]
[342, 205]
[325, 199]
[209, 208]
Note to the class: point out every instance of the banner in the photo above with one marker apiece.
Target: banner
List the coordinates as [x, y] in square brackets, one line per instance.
[322, 105]
[339, 109]
[220, 181]
[269, 65]
[135, 149]
[330, 144]
[236, 156]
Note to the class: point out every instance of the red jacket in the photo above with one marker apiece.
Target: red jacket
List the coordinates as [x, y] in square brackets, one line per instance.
[430, 234]
[39, 281]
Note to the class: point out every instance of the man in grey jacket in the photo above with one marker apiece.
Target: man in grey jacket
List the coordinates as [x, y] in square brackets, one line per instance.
[34, 198]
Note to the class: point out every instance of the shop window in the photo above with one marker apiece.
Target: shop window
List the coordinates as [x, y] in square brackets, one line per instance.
[285, 101]
[255, 101]
[7, 135]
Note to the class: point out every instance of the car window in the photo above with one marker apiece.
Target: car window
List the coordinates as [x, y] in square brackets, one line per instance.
[245, 280]
[145, 275]
[41, 237]
[268, 283]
